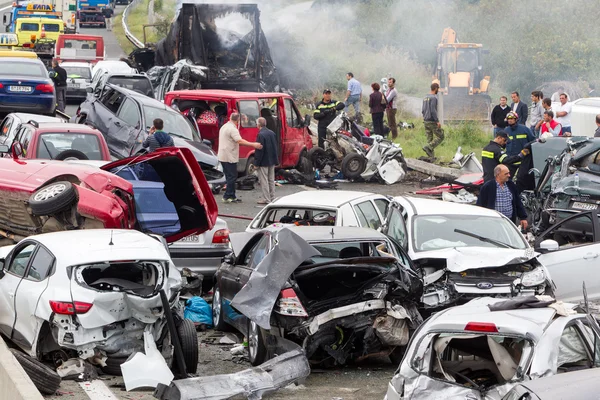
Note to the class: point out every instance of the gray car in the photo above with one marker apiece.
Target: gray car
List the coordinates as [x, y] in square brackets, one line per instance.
[559, 387]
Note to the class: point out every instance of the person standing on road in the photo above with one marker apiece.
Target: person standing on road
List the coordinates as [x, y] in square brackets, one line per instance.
[563, 114]
[519, 107]
[325, 112]
[266, 159]
[391, 109]
[353, 95]
[59, 77]
[377, 104]
[502, 195]
[433, 128]
[157, 138]
[108, 14]
[499, 115]
[229, 154]
[536, 114]
[494, 154]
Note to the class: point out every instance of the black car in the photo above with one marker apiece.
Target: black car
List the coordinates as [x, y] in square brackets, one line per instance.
[137, 82]
[342, 293]
[124, 117]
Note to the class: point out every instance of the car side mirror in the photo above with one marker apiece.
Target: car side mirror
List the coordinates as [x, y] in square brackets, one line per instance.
[89, 90]
[307, 120]
[548, 245]
[17, 150]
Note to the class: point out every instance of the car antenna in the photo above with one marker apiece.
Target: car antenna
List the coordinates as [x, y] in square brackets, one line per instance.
[111, 242]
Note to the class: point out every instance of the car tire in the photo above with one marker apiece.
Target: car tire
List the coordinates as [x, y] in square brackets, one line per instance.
[353, 165]
[318, 157]
[71, 155]
[113, 365]
[188, 338]
[53, 198]
[217, 311]
[305, 165]
[250, 166]
[257, 350]
[46, 380]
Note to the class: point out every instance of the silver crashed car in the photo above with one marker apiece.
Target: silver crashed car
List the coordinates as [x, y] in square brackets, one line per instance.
[482, 349]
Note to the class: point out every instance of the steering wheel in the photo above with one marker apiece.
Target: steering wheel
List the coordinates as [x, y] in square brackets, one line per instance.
[321, 217]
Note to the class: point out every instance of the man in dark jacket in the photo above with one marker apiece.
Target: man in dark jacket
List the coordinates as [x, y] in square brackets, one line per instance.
[501, 194]
[493, 154]
[499, 115]
[325, 112]
[518, 137]
[59, 77]
[266, 159]
[519, 107]
[433, 127]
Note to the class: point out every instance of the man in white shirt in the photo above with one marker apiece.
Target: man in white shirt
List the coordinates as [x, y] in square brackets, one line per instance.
[563, 114]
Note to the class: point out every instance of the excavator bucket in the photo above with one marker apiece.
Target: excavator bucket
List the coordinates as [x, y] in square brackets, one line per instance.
[465, 107]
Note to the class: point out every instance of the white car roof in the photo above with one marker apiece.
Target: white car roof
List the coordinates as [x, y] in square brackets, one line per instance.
[319, 198]
[114, 67]
[75, 64]
[93, 245]
[438, 207]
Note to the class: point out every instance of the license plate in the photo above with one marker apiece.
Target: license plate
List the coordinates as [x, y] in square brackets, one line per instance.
[584, 206]
[73, 85]
[20, 89]
[191, 238]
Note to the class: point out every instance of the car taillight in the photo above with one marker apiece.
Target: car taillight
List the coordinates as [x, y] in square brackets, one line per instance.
[481, 327]
[28, 45]
[221, 236]
[45, 88]
[1, 86]
[68, 308]
[289, 304]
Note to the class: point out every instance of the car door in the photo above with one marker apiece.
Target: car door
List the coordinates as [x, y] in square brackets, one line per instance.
[394, 225]
[15, 267]
[293, 135]
[117, 133]
[368, 214]
[249, 113]
[129, 122]
[31, 288]
[577, 259]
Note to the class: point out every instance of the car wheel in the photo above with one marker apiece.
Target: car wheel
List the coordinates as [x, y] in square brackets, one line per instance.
[257, 351]
[53, 198]
[353, 165]
[71, 155]
[250, 166]
[188, 338]
[44, 378]
[113, 365]
[318, 157]
[217, 311]
[305, 165]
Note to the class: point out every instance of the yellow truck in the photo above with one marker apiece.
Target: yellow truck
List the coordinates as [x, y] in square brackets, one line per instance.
[39, 34]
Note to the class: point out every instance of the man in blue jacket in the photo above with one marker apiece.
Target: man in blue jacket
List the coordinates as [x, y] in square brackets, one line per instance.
[502, 195]
[266, 159]
[518, 135]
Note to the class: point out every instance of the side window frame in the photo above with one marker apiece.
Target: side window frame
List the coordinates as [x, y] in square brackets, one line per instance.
[359, 213]
[49, 271]
[137, 111]
[14, 255]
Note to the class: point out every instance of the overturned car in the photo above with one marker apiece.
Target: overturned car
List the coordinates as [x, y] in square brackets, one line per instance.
[342, 293]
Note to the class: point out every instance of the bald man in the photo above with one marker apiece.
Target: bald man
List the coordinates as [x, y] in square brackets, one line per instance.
[502, 195]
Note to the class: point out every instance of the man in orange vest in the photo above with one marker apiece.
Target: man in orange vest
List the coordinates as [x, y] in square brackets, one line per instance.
[549, 126]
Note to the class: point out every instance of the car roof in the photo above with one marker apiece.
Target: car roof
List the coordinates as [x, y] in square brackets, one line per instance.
[331, 233]
[228, 94]
[94, 246]
[563, 386]
[113, 66]
[26, 117]
[319, 198]
[438, 207]
[142, 98]
[22, 60]
[66, 127]
[75, 64]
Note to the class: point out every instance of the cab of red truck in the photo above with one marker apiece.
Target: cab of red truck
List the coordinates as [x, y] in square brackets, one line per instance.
[208, 110]
[82, 48]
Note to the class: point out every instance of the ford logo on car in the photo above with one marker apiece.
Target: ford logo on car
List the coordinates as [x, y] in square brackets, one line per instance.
[485, 285]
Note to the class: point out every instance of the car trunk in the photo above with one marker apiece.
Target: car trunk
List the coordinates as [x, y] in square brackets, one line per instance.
[141, 278]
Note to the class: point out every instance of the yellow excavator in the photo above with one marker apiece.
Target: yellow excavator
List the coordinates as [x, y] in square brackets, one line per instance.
[463, 83]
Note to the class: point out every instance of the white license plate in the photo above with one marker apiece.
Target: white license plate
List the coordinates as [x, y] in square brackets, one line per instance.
[584, 206]
[73, 85]
[191, 238]
[20, 89]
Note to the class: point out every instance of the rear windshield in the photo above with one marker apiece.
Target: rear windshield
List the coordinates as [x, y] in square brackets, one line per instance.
[23, 69]
[80, 44]
[140, 85]
[351, 250]
[78, 72]
[298, 216]
[51, 27]
[53, 145]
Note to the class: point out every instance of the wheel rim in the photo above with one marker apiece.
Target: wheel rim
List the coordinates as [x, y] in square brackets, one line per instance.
[50, 192]
[216, 307]
[253, 340]
[354, 165]
[251, 168]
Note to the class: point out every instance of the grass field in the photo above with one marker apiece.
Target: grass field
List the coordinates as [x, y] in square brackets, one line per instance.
[138, 17]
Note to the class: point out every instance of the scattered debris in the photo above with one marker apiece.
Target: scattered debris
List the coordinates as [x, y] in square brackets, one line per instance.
[229, 338]
[78, 370]
[461, 197]
[146, 370]
[198, 311]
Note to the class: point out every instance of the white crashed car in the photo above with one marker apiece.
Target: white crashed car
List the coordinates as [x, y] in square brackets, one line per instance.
[79, 78]
[480, 350]
[89, 294]
[464, 252]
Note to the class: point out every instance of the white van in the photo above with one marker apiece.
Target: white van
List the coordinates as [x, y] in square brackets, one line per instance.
[583, 116]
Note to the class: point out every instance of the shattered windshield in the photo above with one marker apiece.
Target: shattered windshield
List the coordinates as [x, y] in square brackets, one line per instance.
[174, 123]
[435, 232]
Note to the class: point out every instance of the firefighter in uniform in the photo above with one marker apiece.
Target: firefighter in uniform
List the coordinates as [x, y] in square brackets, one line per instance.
[494, 153]
[519, 136]
[325, 112]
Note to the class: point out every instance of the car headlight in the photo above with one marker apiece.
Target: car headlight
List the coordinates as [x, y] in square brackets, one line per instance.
[219, 167]
[533, 278]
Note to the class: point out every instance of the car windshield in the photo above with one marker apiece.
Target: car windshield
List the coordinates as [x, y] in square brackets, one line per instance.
[53, 145]
[174, 123]
[78, 72]
[138, 84]
[23, 69]
[434, 232]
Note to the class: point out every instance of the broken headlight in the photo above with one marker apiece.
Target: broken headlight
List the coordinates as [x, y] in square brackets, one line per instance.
[533, 278]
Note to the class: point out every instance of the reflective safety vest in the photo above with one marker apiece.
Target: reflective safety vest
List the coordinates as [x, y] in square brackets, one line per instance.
[492, 155]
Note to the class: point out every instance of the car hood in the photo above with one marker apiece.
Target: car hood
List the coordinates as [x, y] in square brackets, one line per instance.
[185, 186]
[460, 259]
[201, 152]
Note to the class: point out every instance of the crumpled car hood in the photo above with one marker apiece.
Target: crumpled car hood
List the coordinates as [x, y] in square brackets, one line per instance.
[460, 259]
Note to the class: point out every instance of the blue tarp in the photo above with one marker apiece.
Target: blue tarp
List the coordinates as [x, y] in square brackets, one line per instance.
[198, 311]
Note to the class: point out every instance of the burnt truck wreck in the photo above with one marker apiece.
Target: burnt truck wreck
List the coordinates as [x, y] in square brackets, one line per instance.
[231, 61]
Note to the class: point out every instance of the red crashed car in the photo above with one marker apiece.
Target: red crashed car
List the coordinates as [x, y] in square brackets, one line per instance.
[38, 196]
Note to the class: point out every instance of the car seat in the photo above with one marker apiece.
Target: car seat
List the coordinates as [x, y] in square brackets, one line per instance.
[80, 144]
[350, 252]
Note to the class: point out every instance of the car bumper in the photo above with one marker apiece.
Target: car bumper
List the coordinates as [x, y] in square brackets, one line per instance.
[37, 104]
[78, 93]
[203, 261]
